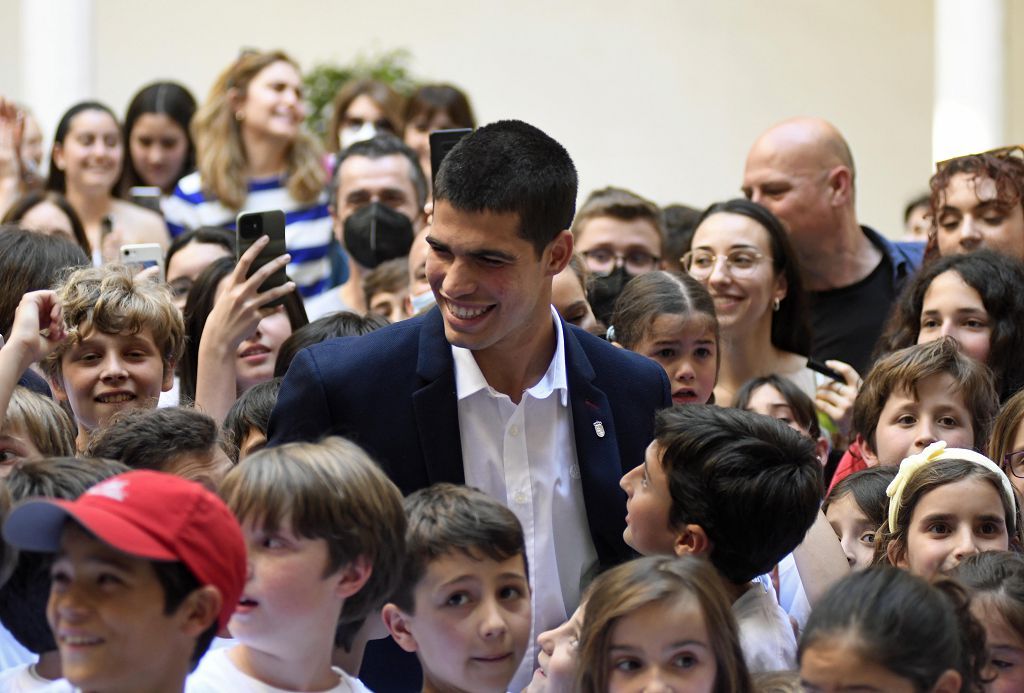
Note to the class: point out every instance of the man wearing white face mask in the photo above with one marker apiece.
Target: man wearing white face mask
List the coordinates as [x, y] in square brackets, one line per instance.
[377, 198]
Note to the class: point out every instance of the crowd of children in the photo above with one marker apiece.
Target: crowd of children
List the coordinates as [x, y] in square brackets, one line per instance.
[787, 529]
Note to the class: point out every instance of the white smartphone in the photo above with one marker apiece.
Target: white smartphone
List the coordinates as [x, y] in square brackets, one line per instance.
[140, 256]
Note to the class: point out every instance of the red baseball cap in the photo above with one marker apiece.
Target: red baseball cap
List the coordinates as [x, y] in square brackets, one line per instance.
[151, 515]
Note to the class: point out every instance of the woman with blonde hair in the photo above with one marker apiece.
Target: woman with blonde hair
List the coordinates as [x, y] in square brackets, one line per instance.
[253, 154]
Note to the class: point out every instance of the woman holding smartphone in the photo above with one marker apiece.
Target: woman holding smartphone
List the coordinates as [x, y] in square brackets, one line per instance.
[86, 163]
[740, 251]
[252, 154]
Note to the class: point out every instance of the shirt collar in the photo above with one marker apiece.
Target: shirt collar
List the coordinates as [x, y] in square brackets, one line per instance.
[469, 380]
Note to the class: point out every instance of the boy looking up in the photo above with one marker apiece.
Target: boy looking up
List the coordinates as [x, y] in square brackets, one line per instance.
[325, 530]
[463, 603]
[739, 489]
[148, 566]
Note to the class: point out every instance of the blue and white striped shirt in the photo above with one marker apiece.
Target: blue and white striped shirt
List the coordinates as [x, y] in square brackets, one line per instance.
[308, 227]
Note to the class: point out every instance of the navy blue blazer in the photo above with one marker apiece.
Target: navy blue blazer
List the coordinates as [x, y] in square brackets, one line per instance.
[393, 392]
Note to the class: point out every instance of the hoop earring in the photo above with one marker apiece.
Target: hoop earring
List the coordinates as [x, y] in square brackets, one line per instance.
[775, 305]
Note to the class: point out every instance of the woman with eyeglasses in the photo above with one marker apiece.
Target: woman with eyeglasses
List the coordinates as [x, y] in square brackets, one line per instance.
[741, 253]
[1006, 444]
[977, 201]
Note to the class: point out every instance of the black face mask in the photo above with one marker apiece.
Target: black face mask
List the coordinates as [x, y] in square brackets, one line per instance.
[604, 289]
[376, 233]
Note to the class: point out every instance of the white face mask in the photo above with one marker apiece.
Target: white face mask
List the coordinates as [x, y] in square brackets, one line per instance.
[421, 301]
[352, 134]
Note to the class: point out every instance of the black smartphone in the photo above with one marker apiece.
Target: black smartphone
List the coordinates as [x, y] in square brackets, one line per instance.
[819, 367]
[147, 196]
[441, 142]
[249, 228]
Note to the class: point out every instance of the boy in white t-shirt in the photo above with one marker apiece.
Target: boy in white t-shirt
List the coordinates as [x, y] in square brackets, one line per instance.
[148, 567]
[739, 489]
[325, 532]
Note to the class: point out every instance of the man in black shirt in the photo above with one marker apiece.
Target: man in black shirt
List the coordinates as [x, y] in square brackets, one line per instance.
[802, 170]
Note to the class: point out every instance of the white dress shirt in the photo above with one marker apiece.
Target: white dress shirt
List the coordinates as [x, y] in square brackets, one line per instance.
[525, 456]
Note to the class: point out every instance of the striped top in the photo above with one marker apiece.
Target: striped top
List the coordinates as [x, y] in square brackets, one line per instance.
[308, 228]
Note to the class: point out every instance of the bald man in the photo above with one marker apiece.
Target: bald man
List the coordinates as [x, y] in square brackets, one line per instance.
[802, 170]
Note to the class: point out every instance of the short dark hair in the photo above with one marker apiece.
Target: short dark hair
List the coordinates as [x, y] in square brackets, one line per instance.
[750, 482]
[179, 582]
[868, 489]
[377, 147]
[902, 623]
[156, 439]
[790, 327]
[23, 597]
[31, 261]
[998, 280]
[57, 180]
[251, 410]
[339, 324]
[24, 204]
[511, 167]
[799, 401]
[444, 519]
[165, 98]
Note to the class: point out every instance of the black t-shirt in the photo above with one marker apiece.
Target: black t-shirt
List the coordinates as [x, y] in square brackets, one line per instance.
[846, 322]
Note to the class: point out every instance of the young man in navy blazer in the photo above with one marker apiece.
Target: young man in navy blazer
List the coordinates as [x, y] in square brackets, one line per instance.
[492, 388]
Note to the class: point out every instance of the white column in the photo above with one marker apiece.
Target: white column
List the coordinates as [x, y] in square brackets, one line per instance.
[56, 57]
[970, 88]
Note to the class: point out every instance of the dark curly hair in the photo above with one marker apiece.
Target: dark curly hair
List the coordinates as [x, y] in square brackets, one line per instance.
[998, 280]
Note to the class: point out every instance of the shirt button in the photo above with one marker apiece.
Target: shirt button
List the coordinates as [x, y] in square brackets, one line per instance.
[519, 498]
[514, 431]
[574, 471]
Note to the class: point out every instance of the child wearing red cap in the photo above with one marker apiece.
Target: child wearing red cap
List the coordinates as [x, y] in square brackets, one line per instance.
[325, 531]
[148, 567]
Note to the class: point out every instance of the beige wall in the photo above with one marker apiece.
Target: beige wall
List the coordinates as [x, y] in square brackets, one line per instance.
[662, 96]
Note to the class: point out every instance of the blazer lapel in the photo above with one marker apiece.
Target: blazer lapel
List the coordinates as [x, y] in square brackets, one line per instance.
[597, 453]
[435, 405]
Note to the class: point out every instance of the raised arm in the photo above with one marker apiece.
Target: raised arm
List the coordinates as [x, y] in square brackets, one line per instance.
[235, 315]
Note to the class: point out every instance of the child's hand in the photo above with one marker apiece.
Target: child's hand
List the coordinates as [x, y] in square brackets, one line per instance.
[241, 305]
[836, 399]
[37, 328]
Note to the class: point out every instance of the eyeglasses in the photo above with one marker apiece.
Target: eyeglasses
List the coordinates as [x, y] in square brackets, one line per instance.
[1014, 462]
[740, 263]
[1014, 151]
[604, 261]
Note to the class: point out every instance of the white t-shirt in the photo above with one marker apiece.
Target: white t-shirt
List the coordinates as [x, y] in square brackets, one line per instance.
[766, 636]
[12, 652]
[216, 673]
[23, 678]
